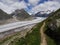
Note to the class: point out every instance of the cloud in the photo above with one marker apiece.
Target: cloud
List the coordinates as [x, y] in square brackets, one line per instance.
[11, 6]
[19, 5]
[50, 5]
[9, 1]
[33, 2]
[6, 8]
[54, 0]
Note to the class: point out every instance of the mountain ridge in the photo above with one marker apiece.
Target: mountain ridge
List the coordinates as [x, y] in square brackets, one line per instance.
[4, 16]
[21, 14]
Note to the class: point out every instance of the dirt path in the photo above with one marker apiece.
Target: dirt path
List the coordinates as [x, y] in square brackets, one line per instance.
[43, 38]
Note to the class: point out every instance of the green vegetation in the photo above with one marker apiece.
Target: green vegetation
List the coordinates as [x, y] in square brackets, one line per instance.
[50, 41]
[18, 41]
[31, 38]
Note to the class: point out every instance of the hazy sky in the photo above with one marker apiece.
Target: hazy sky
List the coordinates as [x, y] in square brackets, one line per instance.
[31, 6]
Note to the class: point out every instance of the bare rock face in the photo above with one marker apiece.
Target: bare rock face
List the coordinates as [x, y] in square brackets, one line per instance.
[58, 22]
[52, 25]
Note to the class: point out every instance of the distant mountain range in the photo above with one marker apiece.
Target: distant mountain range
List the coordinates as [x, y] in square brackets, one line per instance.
[17, 15]
[43, 13]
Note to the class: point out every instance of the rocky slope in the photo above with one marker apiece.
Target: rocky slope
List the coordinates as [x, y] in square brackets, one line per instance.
[4, 16]
[21, 15]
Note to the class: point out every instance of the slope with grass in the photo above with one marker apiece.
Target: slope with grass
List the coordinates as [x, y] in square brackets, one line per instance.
[52, 28]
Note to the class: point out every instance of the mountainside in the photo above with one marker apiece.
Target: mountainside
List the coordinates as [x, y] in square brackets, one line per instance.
[4, 16]
[53, 20]
[52, 27]
[21, 14]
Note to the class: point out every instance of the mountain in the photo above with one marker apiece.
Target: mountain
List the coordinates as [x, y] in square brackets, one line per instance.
[21, 14]
[45, 32]
[52, 27]
[54, 19]
[4, 16]
[43, 13]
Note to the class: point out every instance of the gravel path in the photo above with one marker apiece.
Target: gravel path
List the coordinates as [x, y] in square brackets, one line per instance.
[43, 38]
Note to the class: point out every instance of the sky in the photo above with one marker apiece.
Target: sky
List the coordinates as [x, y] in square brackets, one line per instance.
[31, 6]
